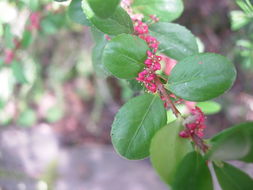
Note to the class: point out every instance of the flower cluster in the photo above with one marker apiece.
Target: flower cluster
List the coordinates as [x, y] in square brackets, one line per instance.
[195, 124]
[34, 19]
[152, 63]
[147, 76]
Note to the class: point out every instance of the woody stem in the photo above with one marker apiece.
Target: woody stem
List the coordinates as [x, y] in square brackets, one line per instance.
[164, 93]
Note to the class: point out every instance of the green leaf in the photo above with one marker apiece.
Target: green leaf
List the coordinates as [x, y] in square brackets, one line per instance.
[235, 143]
[209, 107]
[61, 0]
[124, 56]
[166, 10]
[97, 53]
[238, 19]
[193, 173]
[176, 41]
[76, 13]
[231, 178]
[135, 124]
[27, 118]
[27, 39]
[167, 150]
[120, 22]
[18, 72]
[8, 37]
[103, 8]
[201, 77]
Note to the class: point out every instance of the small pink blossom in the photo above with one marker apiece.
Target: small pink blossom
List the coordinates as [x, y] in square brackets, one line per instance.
[195, 124]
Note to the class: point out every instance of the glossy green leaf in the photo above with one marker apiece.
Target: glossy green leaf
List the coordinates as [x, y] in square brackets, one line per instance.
[18, 72]
[231, 178]
[166, 10]
[176, 41]
[235, 143]
[76, 13]
[202, 77]
[167, 150]
[124, 56]
[120, 22]
[193, 173]
[209, 107]
[135, 124]
[103, 8]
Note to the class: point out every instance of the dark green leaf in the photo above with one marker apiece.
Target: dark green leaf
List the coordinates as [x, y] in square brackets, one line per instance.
[61, 0]
[175, 40]
[235, 143]
[124, 56]
[166, 10]
[201, 77]
[231, 178]
[118, 23]
[103, 8]
[76, 13]
[167, 150]
[18, 72]
[135, 124]
[193, 173]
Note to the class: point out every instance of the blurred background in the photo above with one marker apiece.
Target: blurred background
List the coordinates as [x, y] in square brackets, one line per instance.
[57, 105]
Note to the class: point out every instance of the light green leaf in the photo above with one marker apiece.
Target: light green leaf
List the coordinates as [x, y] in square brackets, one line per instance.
[209, 107]
[166, 10]
[18, 72]
[167, 150]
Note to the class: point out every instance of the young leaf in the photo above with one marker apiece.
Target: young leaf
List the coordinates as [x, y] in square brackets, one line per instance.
[103, 8]
[166, 10]
[120, 22]
[209, 107]
[18, 72]
[193, 173]
[135, 124]
[175, 40]
[167, 150]
[124, 56]
[76, 13]
[201, 77]
[235, 143]
[231, 178]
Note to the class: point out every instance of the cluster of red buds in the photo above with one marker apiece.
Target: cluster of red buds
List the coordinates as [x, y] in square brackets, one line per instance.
[152, 63]
[195, 124]
[34, 20]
